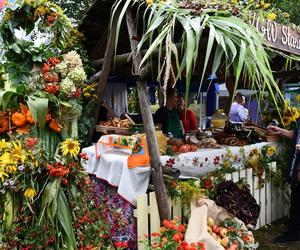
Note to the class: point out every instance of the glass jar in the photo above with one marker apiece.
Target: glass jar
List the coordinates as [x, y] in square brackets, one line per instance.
[219, 119]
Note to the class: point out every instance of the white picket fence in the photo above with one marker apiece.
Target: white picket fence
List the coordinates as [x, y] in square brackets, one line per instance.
[270, 198]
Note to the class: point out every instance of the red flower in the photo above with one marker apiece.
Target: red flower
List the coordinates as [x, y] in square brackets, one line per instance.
[181, 228]
[170, 163]
[125, 244]
[51, 88]
[208, 184]
[155, 234]
[53, 61]
[165, 223]
[46, 68]
[84, 156]
[217, 160]
[118, 244]
[30, 142]
[177, 237]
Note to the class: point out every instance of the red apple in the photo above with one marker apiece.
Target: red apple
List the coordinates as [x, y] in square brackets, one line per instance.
[215, 228]
[225, 241]
[223, 232]
[247, 238]
[210, 222]
[233, 247]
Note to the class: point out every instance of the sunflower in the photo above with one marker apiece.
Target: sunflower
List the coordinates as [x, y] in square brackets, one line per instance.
[3, 174]
[71, 147]
[286, 121]
[271, 151]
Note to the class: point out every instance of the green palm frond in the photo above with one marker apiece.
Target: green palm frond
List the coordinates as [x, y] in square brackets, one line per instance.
[230, 40]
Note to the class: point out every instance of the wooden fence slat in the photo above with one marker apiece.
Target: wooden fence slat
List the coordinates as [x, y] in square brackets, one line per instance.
[177, 209]
[268, 203]
[256, 196]
[249, 178]
[242, 173]
[262, 201]
[142, 212]
[154, 214]
[228, 177]
[235, 176]
[279, 203]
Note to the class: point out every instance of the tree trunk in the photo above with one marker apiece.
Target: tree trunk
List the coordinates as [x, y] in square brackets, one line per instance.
[156, 167]
[104, 73]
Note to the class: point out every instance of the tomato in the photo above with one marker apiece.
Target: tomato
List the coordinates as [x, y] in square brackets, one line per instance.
[184, 149]
[193, 148]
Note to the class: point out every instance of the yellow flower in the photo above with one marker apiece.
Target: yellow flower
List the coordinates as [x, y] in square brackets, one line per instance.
[234, 1]
[10, 169]
[271, 16]
[266, 6]
[295, 113]
[3, 174]
[18, 152]
[29, 193]
[271, 150]
[87, 94]
[3, 144]
[226, 164]
[149, 2]
[286, 120]
[6, 159]
[254, 151]
[71, 147]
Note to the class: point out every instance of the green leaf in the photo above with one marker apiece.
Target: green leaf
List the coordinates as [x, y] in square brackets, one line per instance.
[39, 109]
[5, 97]
[65, 219]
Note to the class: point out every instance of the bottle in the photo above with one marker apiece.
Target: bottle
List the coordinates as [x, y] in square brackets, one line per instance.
[219, 119]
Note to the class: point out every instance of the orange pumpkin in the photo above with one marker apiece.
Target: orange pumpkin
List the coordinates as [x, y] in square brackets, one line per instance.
[56, 126]
[18, 119]
[29, 117]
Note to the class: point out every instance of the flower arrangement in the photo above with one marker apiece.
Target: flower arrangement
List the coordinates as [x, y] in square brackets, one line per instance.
[286, 116]
[41, 192]
[260, 162]
[171, 236]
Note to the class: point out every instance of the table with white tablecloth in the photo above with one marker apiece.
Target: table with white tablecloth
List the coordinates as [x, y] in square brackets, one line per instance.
[130, 182]
[112, 167]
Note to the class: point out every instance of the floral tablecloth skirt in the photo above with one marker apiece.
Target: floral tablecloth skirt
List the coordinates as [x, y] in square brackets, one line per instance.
[117, 212]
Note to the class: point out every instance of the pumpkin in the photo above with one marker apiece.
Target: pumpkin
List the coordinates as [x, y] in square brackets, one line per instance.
[18, 119]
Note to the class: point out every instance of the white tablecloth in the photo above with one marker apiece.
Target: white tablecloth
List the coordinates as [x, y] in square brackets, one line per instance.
[113, 168]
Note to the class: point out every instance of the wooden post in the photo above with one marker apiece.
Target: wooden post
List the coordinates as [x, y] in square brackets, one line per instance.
[156, 167]
[108, 56]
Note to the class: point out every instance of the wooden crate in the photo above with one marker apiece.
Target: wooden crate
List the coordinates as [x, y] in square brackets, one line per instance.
[270, 198]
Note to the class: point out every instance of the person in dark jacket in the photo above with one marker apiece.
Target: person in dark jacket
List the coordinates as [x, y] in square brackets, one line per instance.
[293, 232]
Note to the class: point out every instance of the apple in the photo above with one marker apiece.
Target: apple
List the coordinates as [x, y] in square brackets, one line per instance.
[247, 239]
[219, 240]
[215, 228]
[234, 246]
[225, 241]
[209, 230]
[214, 236]
[223, 232]
[210, 222]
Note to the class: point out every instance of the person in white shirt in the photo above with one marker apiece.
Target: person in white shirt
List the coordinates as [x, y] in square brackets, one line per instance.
[238, 113]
